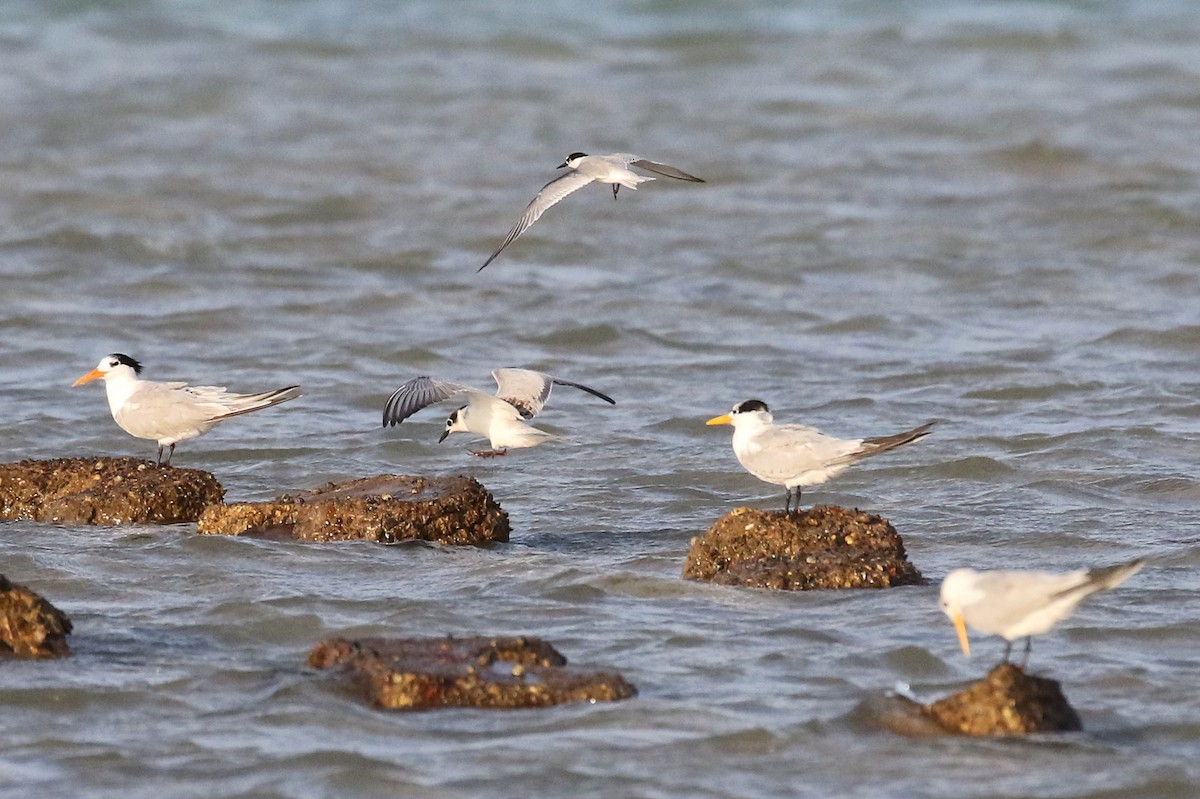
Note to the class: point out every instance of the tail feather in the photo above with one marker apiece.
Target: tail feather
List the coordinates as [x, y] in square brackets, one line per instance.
[874, 446]
[1112, 576]
[256, 402]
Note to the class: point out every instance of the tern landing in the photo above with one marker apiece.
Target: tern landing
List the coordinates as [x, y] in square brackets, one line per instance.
[520, 395]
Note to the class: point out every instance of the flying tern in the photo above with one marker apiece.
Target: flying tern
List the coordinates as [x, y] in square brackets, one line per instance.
[520, 395]
[584, 169]
[793, 455]
[171, 412]
[1015, 604]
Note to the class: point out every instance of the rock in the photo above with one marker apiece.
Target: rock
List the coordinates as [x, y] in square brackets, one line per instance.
[824, 547]
[424, 673]
[387, 508]
[104, 490]
[30, 627]
[1006, 702]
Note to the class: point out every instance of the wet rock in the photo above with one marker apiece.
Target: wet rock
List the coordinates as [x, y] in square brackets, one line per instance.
[424, 673]
[386, 509]
[104, 491]
[1006, 702]
[823, 547]
[30, 627]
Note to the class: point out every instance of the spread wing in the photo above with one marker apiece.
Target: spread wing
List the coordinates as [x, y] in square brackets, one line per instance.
[418, 393]
[550, 194]
[528, 391]
[661, 169]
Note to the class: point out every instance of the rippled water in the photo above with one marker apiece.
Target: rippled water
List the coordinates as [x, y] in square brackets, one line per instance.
[983, 213]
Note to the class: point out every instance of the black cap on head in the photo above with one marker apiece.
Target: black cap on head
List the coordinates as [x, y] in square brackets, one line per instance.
[125, 360]
[751, 405]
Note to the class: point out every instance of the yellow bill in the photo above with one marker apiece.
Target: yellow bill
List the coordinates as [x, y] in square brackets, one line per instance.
[960, 627]
[723, 419]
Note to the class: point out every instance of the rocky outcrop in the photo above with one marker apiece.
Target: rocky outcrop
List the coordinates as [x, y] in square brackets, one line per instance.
[425, 673]
[30, 627]
[1005, 702]
[823, 547]
[386, 509]
[104, 491]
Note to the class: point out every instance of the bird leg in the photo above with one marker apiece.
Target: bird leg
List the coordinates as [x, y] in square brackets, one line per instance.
[1028, 646]
[490, 453]
[1007, 651]
[170, 452]
[616, 188]
[787, 500]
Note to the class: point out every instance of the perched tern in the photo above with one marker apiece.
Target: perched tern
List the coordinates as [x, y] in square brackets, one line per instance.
[584, 169]
[521, 394]
[1015, 604]
[793, 455]
[171, 412]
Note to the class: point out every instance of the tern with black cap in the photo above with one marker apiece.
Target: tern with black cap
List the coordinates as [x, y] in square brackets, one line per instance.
[171, 412]
[584, 169]
[794, 455]
[520, 395]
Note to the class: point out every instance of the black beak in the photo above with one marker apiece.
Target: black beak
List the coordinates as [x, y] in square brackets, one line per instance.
[445, 433]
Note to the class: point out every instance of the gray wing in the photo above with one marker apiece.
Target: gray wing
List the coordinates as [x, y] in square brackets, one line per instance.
[418, 393]
[664, 169]
[527, 390]
[550, 194]
[783, 451]
[1008, 597]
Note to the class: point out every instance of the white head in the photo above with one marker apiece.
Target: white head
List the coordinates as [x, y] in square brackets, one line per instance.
[572, 160]
[115, 366]
[959, 589]
[457, 423]
[752, 413]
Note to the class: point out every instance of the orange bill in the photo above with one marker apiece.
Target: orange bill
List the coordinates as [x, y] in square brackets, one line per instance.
[724, 419]
[89, 377]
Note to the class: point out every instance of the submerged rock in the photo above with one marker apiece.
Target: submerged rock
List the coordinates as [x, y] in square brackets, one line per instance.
[424, 673]
[823, 547]
[30, 627]
[104, 491]
[1005, 702]
[386, 509]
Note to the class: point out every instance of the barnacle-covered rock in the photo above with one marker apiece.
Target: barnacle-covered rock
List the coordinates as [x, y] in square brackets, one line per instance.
[823, 547]
[1005, 702]
[386, 509]
[424, 673]
[104, 490]
[30, 627]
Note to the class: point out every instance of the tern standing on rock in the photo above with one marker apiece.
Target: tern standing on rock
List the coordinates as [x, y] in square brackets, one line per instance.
[521, 394]
[171, 412]
[584, 169]
[1016, 604]
[793, 455]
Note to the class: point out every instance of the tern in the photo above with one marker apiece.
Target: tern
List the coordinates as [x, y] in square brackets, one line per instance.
[584, 169]
[1015, 604]
[793, 455]
[171, 412]
[520, 395]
